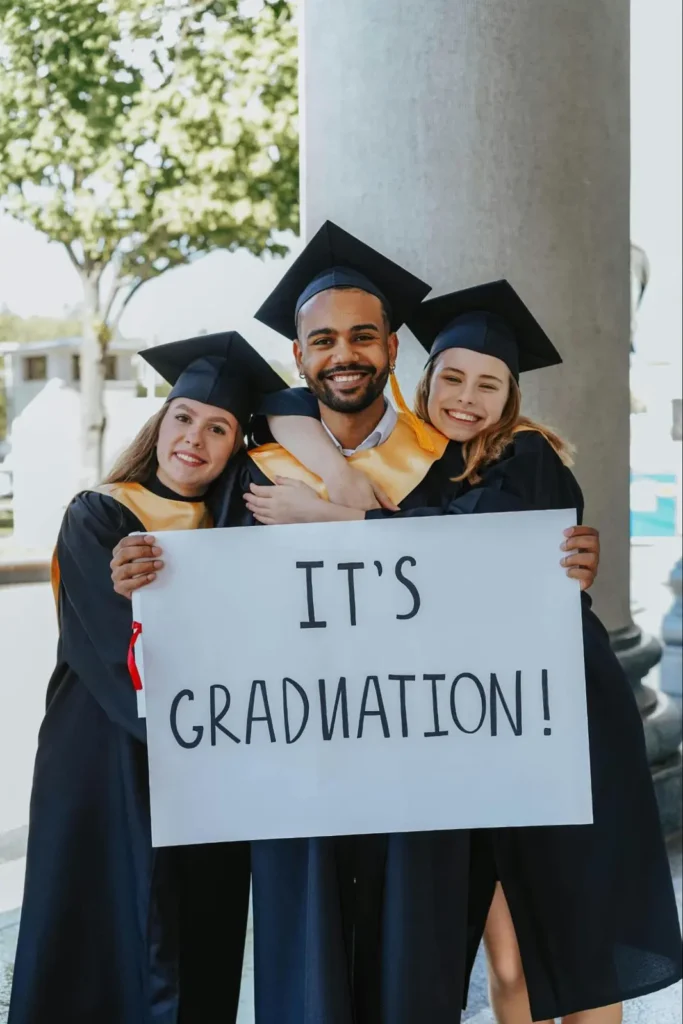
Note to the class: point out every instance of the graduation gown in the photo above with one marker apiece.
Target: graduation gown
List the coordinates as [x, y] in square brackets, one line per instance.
[359, 929]
[593, 906]
[113, 931]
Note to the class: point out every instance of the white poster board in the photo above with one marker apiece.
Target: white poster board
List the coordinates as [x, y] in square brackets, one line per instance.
[384, 676]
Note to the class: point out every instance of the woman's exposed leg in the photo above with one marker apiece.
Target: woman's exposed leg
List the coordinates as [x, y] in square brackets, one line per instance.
[509, 999]
[603, 1015]
[507, 986]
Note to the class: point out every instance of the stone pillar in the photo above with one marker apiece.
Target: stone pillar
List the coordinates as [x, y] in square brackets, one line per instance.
[477, 139]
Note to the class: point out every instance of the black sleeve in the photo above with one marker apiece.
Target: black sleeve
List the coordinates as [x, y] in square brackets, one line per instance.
[288, 402]
[408, 513]
[225, 497]
[95, 622]
[530, 476]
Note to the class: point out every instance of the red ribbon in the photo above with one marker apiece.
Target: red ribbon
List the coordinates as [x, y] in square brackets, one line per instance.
[132, 667]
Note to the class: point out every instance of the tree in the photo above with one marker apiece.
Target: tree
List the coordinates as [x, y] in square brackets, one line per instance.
[141, 134]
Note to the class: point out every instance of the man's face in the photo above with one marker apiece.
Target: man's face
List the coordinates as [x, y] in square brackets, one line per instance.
[344, 348]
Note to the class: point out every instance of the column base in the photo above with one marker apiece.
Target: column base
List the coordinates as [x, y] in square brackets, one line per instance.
[672, 670]
[638, 654]
[668, 783]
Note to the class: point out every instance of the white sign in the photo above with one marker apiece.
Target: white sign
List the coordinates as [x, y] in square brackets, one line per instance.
[392, 676]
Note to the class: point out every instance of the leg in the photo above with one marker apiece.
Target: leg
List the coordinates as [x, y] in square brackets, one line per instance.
[508, 992]
[603, 1015]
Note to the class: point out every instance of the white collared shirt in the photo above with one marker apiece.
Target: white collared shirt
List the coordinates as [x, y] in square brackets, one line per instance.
[377, 437]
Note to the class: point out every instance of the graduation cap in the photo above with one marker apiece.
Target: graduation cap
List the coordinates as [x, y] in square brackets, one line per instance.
[217, 369]
[489, 318]
[335, 259]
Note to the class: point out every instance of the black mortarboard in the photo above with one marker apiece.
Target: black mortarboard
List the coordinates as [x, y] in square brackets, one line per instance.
[335, 259]
[217, 369]
[489, 318]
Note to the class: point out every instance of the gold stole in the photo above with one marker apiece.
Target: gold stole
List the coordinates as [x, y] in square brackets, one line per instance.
[155, 514]
[397, 466]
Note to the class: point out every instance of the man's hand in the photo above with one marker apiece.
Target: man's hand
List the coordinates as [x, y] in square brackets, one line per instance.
[291, 501]
[135, 563]
[288, 501]
[582, 564]
[351, 487]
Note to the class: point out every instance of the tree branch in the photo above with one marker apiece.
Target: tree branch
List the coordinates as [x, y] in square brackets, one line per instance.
[138, 284]
[73, 257]
[114, 292]
[116, 285]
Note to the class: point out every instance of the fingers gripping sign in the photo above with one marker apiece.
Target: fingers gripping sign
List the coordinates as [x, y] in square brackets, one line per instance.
[135, 563]
[583, 545]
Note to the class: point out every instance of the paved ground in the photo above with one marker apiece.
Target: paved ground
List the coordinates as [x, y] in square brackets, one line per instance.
[26, 656]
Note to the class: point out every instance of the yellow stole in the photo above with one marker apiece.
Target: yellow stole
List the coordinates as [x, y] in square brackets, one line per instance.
[398, 465]
[155, 514]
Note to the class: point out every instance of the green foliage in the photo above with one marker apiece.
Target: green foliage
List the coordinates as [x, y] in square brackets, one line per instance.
[37, 328]
[162, 390]
[140, 133]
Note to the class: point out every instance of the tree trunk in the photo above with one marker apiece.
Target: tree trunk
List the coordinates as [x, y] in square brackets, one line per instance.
[92, 361]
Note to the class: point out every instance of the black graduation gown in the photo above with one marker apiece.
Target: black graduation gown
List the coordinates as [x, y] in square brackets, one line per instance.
[364, 929]
[113, 931]
[593, 906]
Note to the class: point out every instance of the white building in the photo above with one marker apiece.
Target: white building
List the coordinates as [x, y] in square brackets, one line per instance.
[30, 365]
[42, 470]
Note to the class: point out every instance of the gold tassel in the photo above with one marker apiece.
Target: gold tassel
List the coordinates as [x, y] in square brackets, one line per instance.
[419, 428]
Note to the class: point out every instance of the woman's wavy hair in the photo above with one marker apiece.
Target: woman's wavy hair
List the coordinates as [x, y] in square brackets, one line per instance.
[488, 446]
[139, 461]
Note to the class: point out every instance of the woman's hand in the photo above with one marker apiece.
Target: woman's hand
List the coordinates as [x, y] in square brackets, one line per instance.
[291, 501]
[582, 564]
[134, 564]
[352, 488]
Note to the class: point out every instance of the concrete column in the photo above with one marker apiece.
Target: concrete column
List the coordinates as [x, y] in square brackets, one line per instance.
[476, 139]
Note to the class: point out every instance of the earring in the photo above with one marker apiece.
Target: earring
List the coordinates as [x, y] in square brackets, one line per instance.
[303, 376]
[392, 369]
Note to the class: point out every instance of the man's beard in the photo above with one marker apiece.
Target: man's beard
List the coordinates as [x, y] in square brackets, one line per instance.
[371, 388]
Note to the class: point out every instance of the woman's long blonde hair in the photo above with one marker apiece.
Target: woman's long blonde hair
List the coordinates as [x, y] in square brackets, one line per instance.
[488, 446]
[139, 461]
